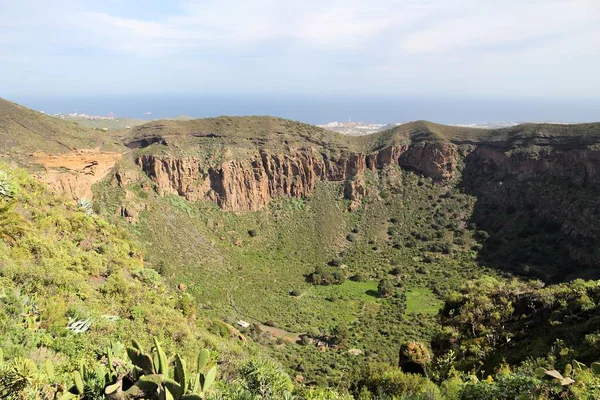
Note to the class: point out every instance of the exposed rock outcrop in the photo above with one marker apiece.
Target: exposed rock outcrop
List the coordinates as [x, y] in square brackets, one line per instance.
[438, 160]
[74, 173]
[355, 190]
[249, 185]
[578, 166]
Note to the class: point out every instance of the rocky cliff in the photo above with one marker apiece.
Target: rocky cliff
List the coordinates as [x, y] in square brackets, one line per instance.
[250, 184]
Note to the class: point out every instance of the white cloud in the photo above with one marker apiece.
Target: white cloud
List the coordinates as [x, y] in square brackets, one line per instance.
[383, 46]
[486, 24]
[350, 24]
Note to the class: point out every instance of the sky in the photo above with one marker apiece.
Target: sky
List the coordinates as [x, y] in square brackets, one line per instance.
[438, 48]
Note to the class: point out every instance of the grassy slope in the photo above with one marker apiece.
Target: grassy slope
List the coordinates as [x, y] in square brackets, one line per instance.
[239, 135]
[110, 124]
[23, 131]
[65, 264]
[236, 276]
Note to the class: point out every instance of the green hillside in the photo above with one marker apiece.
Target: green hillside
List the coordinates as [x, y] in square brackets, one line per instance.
[409, 287]
[24, 131]
[276, 133]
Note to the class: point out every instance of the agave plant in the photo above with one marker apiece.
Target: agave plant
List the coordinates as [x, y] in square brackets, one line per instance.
[153, 372]
[18, 375]
[86, 206]
[6, 189]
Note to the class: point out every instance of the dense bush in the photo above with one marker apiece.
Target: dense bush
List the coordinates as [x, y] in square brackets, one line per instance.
[385, 288]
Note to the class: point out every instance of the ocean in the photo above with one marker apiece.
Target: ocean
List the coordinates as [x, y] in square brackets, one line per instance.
[320, 109]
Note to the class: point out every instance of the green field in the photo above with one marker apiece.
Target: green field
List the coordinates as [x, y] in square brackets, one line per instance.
[422, 300]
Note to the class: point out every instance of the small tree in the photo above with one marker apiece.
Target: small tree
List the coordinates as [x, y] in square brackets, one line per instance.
[359, 277]
[414, 358]
[340, 335]
[385, 288]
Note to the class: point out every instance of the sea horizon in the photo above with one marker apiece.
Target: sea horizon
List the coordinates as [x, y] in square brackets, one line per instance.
[321, 110]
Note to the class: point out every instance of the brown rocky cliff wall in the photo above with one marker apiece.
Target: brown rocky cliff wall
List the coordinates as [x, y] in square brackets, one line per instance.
[437, 160]
[249, 185]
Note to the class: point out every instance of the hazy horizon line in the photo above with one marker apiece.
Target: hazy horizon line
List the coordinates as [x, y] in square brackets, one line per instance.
[325, 108]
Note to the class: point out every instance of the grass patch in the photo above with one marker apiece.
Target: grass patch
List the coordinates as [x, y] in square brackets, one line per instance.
[423, 301]
[349, 290]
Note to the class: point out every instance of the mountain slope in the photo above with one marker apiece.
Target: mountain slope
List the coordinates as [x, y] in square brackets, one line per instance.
[539, 174]
[25, 131]
[60, 263]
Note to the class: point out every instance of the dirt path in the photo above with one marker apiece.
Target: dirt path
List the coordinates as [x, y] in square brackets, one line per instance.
[280, 333]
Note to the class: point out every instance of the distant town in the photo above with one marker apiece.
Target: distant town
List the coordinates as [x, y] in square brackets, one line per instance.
[111, 121]
[356, 128]
[359, 128]
[109, 117]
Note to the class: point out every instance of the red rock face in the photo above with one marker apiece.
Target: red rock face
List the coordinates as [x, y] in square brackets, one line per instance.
[249, 185]
[437, 160]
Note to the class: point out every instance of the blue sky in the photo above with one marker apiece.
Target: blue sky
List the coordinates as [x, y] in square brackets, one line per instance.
[441, 48]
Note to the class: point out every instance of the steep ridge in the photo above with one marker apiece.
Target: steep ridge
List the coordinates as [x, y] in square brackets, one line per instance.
[249, 185]
[24, 131]
[266, 161]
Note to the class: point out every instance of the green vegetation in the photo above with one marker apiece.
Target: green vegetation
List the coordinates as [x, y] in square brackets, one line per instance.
[24, 131]
[415, 289]
[420, 300]
[268, 276]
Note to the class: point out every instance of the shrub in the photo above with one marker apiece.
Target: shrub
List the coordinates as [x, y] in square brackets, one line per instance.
[340, 335]
[148, 276]
[359, 277]
[336, 262]
[265, 379]
[390, 382]
[414, 357]
[385, 288]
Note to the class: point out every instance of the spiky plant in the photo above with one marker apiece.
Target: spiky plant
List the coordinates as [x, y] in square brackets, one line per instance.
[6, 189]
[16, 376]
[86, 206]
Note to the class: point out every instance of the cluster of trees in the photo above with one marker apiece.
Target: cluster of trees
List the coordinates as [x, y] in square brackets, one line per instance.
[326, 276]
[490, 319]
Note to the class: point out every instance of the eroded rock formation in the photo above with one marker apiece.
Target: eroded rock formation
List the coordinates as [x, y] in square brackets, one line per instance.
[74, 173]
[249, 185]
